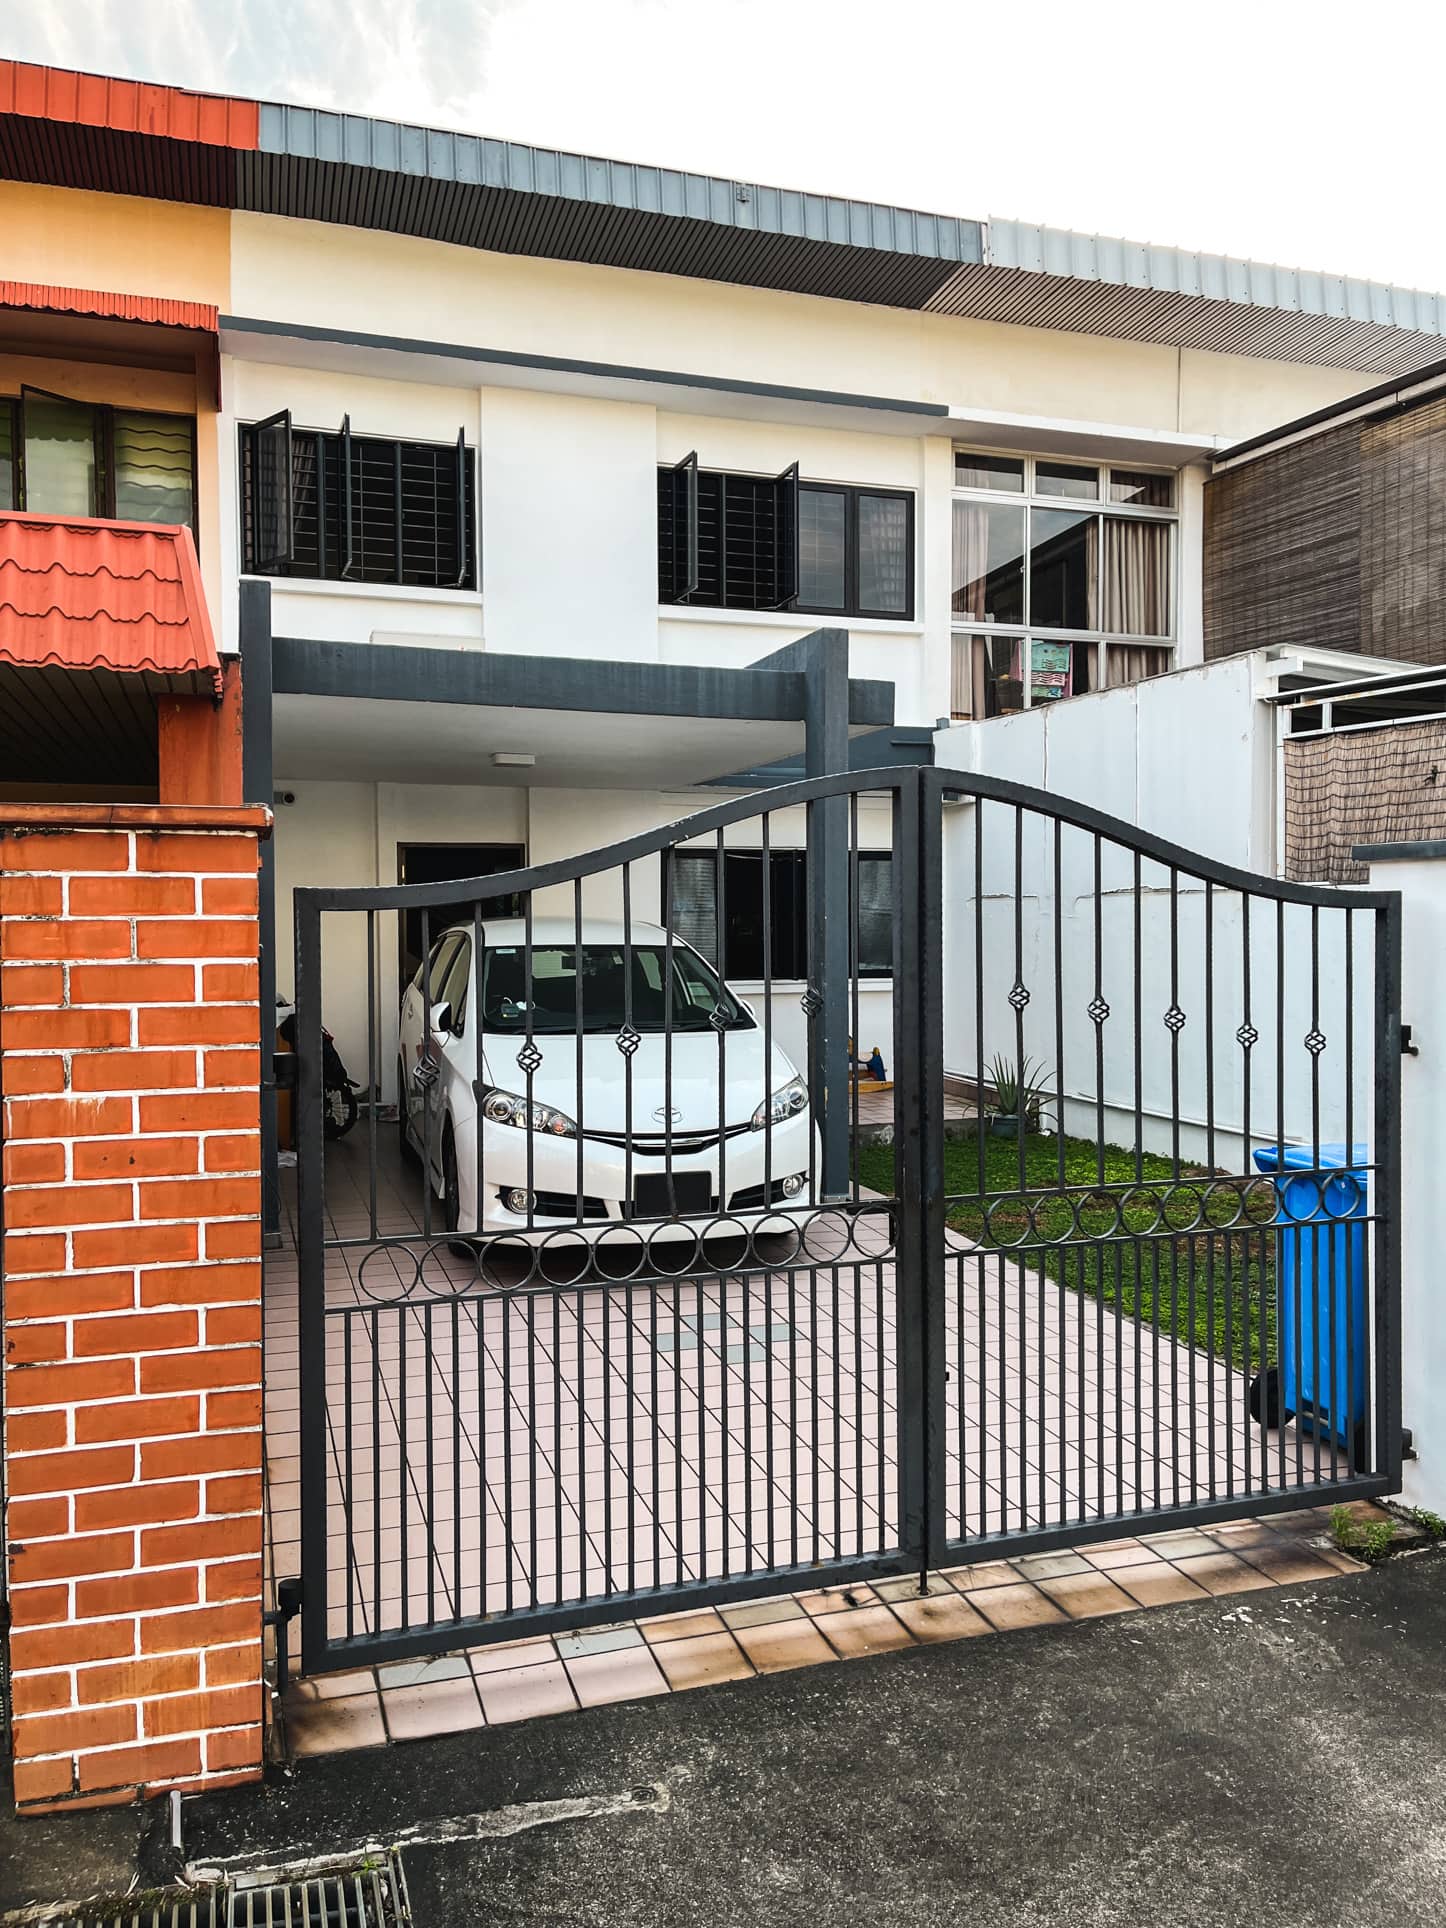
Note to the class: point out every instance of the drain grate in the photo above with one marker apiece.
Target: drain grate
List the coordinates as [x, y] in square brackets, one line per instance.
[138, 1911]
[370, 1895]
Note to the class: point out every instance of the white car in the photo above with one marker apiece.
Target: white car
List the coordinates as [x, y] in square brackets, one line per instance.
[598, 1087]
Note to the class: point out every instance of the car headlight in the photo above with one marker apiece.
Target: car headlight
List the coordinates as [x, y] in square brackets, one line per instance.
[506, 1108]
[784, 1104]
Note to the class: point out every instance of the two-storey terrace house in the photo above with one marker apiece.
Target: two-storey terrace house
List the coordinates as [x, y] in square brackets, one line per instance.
[537, 496]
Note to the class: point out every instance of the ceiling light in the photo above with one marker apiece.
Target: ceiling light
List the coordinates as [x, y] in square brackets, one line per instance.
[513, 759]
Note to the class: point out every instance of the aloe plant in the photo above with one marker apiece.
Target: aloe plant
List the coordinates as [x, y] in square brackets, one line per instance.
[1018, 1087]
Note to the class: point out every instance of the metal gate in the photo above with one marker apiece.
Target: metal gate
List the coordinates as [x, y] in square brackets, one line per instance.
[649, 1301]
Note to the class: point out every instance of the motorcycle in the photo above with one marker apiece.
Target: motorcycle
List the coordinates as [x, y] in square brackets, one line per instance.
[338, 1088]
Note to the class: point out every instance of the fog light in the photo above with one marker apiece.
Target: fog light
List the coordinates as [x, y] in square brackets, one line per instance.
[793, 1185]
[517, 1201]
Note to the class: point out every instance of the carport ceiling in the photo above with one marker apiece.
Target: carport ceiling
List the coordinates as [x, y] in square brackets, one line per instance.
[359, 739]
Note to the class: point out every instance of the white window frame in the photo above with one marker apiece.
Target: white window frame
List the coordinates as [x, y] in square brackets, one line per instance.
[1031, 497]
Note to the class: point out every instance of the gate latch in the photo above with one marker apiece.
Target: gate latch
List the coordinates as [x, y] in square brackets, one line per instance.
[1408, 1048]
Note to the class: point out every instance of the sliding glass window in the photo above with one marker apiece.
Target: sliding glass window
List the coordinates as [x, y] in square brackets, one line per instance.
[1067, 588]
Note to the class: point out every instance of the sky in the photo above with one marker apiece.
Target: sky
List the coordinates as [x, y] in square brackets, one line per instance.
[1302, 134]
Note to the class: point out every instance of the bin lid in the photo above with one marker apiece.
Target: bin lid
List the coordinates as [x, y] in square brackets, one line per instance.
[1302, 1158]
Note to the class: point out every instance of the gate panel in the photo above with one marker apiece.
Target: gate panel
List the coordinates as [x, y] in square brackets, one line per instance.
[1133, 1341]
[618, 1332]
[644, 1303]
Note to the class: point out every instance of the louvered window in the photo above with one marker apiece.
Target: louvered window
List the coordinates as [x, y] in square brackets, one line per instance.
[356, 508]
[727, 540]
[754, 925]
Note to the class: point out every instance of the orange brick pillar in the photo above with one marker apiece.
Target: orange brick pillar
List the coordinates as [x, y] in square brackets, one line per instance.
[132, 1297]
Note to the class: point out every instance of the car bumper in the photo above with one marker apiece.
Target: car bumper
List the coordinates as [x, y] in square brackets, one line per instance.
[743, 1174]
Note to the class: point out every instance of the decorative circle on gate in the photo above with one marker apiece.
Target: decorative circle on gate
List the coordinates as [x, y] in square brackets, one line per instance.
[1097, 1010]
[1246, 1036]
[529, 1058]
[628, 1040]
[1175, 1020]
[811, 1003]
[1315, 1041]
[388, 1273]
[1019, 995]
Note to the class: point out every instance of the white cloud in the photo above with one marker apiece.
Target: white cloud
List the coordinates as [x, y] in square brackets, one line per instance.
[1276, 129]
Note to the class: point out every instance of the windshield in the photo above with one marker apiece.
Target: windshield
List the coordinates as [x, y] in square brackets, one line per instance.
[601, 984]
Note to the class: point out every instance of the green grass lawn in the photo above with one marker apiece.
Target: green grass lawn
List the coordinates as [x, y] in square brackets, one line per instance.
[1189, 1253]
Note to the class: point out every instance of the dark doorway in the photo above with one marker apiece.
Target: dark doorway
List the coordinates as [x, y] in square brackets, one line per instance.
[441, 863]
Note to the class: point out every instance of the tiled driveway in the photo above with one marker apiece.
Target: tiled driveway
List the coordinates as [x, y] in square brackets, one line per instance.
[492, 1449]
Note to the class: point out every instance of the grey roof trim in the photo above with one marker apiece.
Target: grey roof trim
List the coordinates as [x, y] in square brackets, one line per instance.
[428, 153]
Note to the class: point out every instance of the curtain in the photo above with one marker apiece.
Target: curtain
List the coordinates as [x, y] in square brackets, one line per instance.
[1137, 578]
[1133, 662]
[971, 558]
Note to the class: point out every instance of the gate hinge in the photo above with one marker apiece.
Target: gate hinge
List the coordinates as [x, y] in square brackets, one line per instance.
[1408, 1049]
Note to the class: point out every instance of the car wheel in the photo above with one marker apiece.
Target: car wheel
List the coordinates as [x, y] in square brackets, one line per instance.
[404, 1137]
[452, 1197]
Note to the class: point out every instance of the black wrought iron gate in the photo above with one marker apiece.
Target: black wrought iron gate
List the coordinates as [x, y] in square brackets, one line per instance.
[653, 1297]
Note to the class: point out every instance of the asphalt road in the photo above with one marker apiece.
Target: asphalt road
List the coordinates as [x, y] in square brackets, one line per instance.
[1276, 1758]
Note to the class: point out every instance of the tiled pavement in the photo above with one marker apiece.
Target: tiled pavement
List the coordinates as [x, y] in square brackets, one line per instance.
[488, 1450]
[525, 1679]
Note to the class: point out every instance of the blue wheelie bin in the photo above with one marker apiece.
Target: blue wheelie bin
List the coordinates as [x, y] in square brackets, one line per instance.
[1321, 1298]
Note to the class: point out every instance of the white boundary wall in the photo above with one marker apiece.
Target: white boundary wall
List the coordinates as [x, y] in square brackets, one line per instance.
[1188, 757]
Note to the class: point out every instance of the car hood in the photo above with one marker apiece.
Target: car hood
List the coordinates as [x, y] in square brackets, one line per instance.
[692, 1091]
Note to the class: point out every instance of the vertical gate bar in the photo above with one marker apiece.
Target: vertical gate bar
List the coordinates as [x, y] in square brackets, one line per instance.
[373, 1020]
[655, 1426]
[881, 1404]
[311, 1272]
[607, 1435]
[1057, 920]
[677, 1427]
[768, 1416]
[457, 1607]
[766, 859]
[978, 989]
[580, 1419]
[747, 1284]
[1350, 1028]
[429, 1477]
[835, 1364]
[630, 1427]
[578, 1048]
[558, 1490]
[530, 1302]
[424, 1064]
[1246, 1082]
[375, 1334]
[348, 1481]
[484, 1486]
[856, 1049]
[1022, 1099]
[509, 1542]
[404, 1475]
[793, 1417]
[1320, 1185]
[814, 1454]
[1387, 1160]
[923, 1207]
[858, 1408]
[701, 1354]
[910, 1184]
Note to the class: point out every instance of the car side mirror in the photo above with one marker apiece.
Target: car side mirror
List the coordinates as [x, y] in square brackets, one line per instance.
[441, 1019]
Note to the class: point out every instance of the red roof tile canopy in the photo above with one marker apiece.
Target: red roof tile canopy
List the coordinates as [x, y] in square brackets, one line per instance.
[130, 106]
[83, 594]
[51, 300]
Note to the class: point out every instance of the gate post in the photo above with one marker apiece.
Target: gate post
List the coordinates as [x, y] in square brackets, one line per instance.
[919, 1165]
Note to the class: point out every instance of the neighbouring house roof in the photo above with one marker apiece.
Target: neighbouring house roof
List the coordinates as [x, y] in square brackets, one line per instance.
[119, 596]
[45, 298]
[79, 130]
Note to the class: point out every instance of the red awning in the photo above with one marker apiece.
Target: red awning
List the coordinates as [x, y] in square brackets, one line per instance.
[51, 300]
[123, 596]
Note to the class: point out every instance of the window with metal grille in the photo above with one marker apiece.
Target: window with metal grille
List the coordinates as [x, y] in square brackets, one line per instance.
[356, 508]
[727, 540]
[63, 457]
[755, 925]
